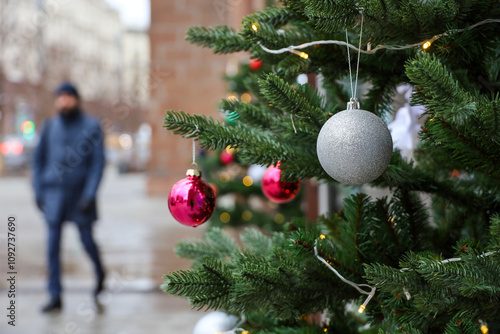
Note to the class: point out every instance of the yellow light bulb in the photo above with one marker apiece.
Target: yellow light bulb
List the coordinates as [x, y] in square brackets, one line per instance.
[300, 54]
[484, 329]
[304, 55]
[426, 45]
[361, 309]
[255, 27]
[231, 150]
[322, 236]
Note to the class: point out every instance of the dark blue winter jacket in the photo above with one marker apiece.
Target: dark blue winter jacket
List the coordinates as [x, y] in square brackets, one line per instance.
[67, 168]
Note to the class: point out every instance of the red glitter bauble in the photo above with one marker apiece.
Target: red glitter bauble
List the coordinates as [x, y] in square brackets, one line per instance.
[191, 200]
[226, 157]
[255, 64]
[276, 190]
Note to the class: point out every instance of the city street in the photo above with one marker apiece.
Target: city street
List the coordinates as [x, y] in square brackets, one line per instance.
[136, 235]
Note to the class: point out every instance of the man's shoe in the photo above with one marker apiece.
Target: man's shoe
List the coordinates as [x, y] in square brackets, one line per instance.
[99, 287]
[53, 305]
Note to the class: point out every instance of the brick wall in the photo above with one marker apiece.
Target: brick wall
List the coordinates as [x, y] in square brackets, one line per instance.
[184, 77]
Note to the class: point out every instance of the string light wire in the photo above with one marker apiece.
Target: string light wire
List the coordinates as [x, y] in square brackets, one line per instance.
[378, 47]
[373, 289]
[293, 124]
[454, 259]
[343, 279]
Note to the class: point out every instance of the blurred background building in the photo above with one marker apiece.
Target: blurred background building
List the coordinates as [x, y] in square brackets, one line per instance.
[128, 75]
[43, 42]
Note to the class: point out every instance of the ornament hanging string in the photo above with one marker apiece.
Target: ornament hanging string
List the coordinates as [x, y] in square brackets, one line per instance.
[194, 144]
[355, 87]
[194, 154]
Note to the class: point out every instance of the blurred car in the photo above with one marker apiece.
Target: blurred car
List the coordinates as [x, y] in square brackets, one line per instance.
[16, 152]
[129, 152]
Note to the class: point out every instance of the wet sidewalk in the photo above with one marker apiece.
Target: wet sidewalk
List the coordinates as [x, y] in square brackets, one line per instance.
[136, 235]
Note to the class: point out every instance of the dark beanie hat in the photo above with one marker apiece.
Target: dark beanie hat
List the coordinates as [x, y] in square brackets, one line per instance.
[67, 88]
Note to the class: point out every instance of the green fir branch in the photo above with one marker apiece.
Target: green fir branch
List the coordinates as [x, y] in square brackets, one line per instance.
[209, 286]
[216, 245]
[331, 15]
[221, 39]
[302, 101]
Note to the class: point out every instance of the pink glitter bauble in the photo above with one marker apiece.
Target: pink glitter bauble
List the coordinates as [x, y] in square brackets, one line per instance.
[191, 200]
[276, 190]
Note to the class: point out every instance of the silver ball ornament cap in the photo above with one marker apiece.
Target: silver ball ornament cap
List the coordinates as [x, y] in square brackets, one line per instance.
[354, 146]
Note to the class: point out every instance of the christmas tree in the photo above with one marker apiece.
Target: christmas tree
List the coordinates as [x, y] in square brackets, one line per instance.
[424, 259]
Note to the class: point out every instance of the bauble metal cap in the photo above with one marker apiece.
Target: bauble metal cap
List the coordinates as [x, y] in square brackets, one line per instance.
[193, 172]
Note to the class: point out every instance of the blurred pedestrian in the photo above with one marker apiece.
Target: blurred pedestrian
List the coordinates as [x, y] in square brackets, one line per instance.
[67, 169]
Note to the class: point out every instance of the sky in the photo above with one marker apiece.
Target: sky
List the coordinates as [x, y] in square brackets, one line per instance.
[134, 13]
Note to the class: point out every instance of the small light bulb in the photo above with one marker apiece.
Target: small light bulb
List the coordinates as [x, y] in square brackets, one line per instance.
[304, 55]
[230, 149]
[300, 54]
[255, 27]
[322, 236]
[426, 45]
[484, 329]
[361, 309]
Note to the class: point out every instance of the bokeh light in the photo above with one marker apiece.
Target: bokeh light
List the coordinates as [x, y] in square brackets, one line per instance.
[28, 127]
[224, 177]
[246, 98]
[247, 215]
[247, 181]
[125, 141]
[225, 217]
[279, 218]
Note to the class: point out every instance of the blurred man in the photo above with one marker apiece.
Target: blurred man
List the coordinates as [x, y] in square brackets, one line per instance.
[67, 169]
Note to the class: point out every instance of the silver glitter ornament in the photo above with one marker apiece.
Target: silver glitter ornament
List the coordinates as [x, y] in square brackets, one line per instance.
[354, 146]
